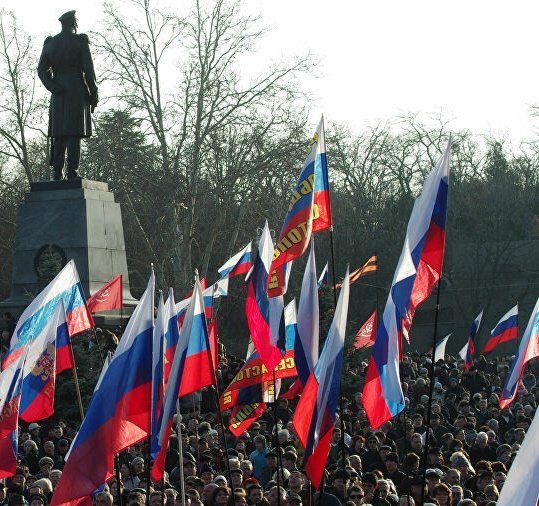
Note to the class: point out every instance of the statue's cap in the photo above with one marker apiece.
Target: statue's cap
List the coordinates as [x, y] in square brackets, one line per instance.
[66, 16]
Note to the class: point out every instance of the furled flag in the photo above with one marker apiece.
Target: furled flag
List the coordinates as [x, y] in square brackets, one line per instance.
[265, 315]
[520, 486]
[66, 287]
[366, 335]
[108, 297]
[48, 355]
[119, 414]
[314, 417]
[323, 279]
[306, 347]
[528, 349]
[199, 366]
[291, 332]
[240, 263]
[468, 350]
[505, 330]
[10, 396]
[418, 270]
[439, 352]
[193, 331]
[302, 214]
[370, 266]
[172, 334]
[158, 358]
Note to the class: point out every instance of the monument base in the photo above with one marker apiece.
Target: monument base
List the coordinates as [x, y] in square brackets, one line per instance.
[62, 220]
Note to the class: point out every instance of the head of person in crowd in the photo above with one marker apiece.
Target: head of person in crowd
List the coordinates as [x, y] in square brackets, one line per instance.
[38, 500]
[442, 493]
[104, 499]
[277, 495]
[220, 496]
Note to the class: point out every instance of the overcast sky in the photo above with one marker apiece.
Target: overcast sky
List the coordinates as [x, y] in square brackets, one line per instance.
[473, 61]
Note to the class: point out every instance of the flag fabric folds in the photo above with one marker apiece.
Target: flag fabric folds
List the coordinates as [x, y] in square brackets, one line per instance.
[370, 266]
[66, 287]
[298, 224]
[314, 417]
[439, 352]
[193, 331]
[10, 396]
[520, 486]
[366, 335]
[505, 330]
[265, 315]
[306, 347]
[108, 297]
[468, 351]
[199, 371]
[528, 349]
[119, 414]
[48, 355]
[158, 358]
[418, 270]
[240, 263]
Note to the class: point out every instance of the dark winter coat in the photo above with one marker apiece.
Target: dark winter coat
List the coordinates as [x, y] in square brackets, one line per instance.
[66, 69]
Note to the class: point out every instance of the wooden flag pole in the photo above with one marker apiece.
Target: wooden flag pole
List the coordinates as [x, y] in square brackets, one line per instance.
[76, 380]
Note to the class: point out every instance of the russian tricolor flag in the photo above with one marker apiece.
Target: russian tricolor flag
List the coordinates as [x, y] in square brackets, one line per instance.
[308, 212]
[306, 347]
[265, 315]
[10, 397]
[198, 360]
[119, 414]
[240, 263]
[468, 351]
[193, 332]
[528, 349]
[48, 355]
[314, 417]
[172, 334]
[64, 287]
[505, 330]
[158, 356]
[418, 270]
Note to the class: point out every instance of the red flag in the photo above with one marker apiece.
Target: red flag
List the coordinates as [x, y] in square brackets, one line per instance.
[214, 340]
[367, 333]
[242, 417]
[107, 297]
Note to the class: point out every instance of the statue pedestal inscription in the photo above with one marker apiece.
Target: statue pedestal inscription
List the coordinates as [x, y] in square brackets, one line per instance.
[62, 220]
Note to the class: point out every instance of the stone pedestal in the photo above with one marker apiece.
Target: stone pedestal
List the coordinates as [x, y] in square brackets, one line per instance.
[62, 220]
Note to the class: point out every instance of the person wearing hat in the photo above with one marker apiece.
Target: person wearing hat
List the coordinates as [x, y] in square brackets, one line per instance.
[66, 69]
[38, 500]
[271, 467]
[45, 466]
[16, 500]
[293, 499]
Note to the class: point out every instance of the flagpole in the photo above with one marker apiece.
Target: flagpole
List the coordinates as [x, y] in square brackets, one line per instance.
[148, 472]
[431, 386]
[76, 380]
[277, 443]
[118, 478]
[215, 389]
[180, 449]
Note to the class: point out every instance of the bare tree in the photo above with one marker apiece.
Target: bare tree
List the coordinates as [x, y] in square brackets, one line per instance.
[19, 107]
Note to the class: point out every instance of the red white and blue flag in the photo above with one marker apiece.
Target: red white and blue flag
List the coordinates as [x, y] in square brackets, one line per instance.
[265, 315]
[240, 263]
[306, 347]
[505, 330]
[314, 417]
[324, 278]
[468, 351]
[528, 349]
[418, 270]
[158, 359]
[309, 211]
[48, 355]
[119, 414]
[65, 287]
[199, 371]
[10, 396]
[193, 332]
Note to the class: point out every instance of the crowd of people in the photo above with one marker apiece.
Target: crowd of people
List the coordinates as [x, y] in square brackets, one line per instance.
[463, 459]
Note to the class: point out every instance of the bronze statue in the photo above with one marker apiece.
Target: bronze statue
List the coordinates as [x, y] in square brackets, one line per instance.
[66, 69]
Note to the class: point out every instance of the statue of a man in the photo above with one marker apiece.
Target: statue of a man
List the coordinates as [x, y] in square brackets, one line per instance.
[67, 71]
